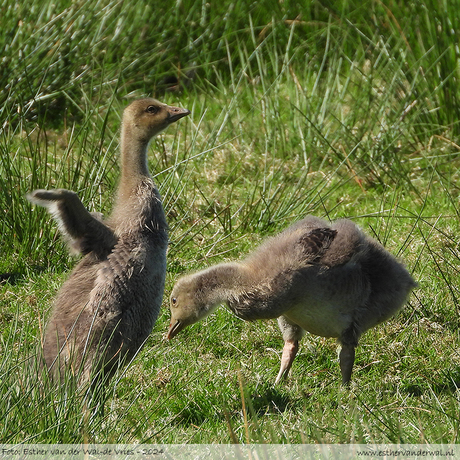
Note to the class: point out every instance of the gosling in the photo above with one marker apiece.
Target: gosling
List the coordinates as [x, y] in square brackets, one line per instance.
[332, 281]
[108, 306]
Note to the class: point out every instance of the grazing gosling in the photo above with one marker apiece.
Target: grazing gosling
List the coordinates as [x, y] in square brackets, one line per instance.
[108, 306]
[332, 281]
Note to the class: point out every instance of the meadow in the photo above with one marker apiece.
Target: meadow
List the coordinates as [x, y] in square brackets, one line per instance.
[331, 108]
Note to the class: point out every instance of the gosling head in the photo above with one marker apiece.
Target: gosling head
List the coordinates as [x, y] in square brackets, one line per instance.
[148, 117]
[189, 303]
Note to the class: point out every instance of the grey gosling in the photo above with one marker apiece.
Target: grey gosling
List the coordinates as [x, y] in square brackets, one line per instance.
[332, 281]
[109, 304]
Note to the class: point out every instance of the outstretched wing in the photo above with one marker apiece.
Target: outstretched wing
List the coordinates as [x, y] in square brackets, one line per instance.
[85, 231]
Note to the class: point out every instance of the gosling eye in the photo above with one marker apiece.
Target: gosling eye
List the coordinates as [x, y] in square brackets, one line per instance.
[152, 109]
[174, 301]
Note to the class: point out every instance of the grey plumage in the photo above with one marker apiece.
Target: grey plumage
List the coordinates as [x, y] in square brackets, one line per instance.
[107, 307]
[332, 281]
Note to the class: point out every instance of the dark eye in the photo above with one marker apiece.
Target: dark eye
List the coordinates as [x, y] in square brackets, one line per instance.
[152, 109]
[174, 301]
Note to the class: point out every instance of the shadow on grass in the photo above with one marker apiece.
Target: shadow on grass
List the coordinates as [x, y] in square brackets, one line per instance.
[10, 278]
[267, 400]
[272, 400]
[447, 383]
[15, 277]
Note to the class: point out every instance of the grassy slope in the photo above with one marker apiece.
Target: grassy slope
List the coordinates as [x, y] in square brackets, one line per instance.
[336, 112]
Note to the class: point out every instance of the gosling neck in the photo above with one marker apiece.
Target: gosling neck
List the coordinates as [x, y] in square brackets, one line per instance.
[134, 167]
[222, 282]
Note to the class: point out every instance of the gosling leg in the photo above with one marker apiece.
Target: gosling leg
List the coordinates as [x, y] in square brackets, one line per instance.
[347, 359]
[292, 333]
[291, 347]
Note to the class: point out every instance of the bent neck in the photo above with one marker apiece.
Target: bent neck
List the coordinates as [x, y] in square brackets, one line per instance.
[222, 282]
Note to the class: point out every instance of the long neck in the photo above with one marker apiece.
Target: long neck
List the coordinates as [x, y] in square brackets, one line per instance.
[247, 293]
[222, 282]
[134, 167]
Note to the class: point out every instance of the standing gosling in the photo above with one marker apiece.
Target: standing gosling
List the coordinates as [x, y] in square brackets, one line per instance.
[107, 308]
[332, 281]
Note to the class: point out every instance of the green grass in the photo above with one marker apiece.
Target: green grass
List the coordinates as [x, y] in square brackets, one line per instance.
[338, 109]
